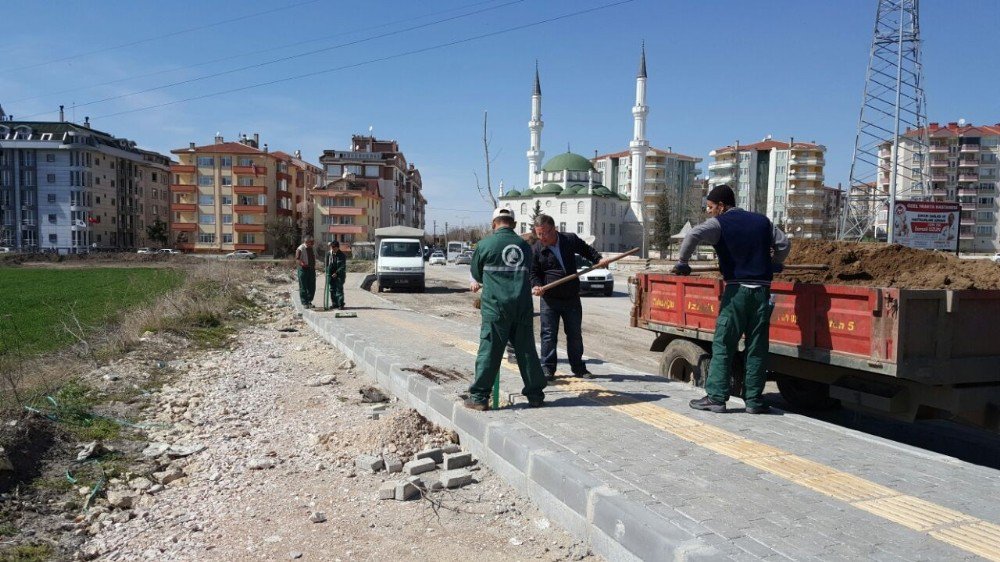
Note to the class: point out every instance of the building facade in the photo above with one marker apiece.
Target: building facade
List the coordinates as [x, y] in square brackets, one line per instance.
[782, 180]
[400, 186]
[347, 209]
[70, 188]
[224, 194]
[963, 168]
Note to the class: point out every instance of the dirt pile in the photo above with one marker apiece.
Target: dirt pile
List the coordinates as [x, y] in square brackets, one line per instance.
[881, 265]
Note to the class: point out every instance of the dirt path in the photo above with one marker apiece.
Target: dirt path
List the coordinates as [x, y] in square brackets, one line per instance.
[281, 439]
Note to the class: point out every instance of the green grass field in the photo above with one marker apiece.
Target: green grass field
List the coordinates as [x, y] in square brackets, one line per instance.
[34, 303]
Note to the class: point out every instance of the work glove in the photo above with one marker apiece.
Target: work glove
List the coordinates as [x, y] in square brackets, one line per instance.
[777, 268]
[681, 269]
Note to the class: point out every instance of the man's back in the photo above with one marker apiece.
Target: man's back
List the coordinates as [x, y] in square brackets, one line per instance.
[500, 263]
[744, 248]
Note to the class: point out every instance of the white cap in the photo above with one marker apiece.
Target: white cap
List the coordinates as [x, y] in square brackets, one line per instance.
[503, 212]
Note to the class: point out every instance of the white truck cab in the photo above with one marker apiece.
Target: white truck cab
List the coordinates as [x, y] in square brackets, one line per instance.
[400, 259]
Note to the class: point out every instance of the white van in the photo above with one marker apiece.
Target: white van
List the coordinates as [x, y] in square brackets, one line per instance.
[400, 259]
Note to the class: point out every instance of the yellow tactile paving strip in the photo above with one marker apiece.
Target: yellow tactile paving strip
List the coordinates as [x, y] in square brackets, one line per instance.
[965, 532]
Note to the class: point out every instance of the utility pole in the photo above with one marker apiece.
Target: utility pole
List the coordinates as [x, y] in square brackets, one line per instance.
[435, 238]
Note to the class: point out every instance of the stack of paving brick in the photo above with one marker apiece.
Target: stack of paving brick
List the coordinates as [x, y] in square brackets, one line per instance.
[430, 470]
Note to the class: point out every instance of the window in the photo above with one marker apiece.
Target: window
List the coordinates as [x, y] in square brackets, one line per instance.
[50, 157]
[227, 219]
[353, 169]
[579, 208]
[224, 161]
[227, 180]
[227, 238]
[524, 208]
[562, 226]
[333, 170]
[206, 161]
[51, 178]
[262, 199]
[579, 228]
[52, 218]
[371, 171]
[562, 207]
[53, 239]
[227, 199]
[206, 200]
[206, 237]
[611, 229]
[206, 181]
[51, 197]
[246, 161]
[245, 181]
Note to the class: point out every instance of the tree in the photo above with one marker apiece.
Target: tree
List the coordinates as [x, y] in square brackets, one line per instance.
[486, 192]
[284, 235]
[661, 223]
[536, 211]
[158, 232]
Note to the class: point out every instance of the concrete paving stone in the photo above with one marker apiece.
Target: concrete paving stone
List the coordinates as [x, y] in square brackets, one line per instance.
[557, 474]
[420, 466]
[435, 454]
[726, 527]
[753, 547]
[393, 464]
[643, 533]
[471, 422]
[456, 460]
[406, 491]
[455, 478]
[370, 463]
[387, 491]
[440, 402]
[417, 386]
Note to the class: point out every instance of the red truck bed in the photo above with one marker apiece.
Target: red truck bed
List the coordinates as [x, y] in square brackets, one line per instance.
[931, 336]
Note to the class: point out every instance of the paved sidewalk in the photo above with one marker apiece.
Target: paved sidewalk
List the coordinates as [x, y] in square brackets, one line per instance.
[623, 462]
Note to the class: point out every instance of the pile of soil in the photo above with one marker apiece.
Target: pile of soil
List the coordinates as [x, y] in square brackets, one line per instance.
[402, 433]
[881, 265]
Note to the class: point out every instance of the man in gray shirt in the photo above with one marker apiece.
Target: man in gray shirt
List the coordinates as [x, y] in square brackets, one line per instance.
[750, 250]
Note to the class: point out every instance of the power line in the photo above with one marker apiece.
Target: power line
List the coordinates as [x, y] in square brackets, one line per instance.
[241, 54]
[375, 60]
[158, 37]
[284, 59]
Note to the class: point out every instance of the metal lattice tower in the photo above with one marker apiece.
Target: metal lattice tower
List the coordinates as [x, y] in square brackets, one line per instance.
[886, 166]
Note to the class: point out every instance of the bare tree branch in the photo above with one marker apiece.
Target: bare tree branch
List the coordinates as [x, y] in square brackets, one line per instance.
[486, 150]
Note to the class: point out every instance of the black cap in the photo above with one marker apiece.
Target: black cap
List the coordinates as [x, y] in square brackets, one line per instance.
[334, 244]
[722, 194]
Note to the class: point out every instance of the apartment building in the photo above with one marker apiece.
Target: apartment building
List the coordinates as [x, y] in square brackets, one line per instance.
[69, 188]
[347, 209]
[666, 171]
[783, 180]
[962, 168]
[305, 178]
[224, 194]
[400, 186]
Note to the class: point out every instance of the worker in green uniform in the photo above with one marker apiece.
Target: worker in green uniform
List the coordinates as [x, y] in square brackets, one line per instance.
[336, 274]
[500, 268]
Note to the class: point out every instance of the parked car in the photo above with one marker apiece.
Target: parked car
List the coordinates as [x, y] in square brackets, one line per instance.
[437, 258]
[146, 251]
[995, 258]
[169, 251]
[598, 280]
[5, 250]
[241, 254]
[464, 257]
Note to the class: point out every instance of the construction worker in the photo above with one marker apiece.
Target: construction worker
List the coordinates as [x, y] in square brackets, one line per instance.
[500, 268]
[305, 259]
[750, 251]
[336, 269]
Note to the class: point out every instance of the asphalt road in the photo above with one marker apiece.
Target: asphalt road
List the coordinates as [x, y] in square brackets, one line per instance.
[608, 337]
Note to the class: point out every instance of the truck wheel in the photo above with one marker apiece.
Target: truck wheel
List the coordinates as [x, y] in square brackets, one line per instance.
[377, 287]
[686, 361]
[804, 393]
[609, 291]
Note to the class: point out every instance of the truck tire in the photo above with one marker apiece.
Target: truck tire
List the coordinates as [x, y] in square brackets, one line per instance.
[804, 393]
[609, 291]
[685, 361]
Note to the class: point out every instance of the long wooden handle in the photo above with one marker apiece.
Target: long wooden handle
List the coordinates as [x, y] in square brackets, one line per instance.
[789, 267]
[573, 276]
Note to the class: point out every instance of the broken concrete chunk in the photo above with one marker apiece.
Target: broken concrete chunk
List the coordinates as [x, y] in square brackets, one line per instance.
[155, 449]
[261, 464]
[370, 394]
[456, 478]
[437, 454]
[369, 462]
[178, 451]
[387, 491]
[456, 460]
[317, 517]
[92, 449]
[419, 466]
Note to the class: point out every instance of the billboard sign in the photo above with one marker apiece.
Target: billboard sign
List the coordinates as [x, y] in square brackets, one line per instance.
[926, 225]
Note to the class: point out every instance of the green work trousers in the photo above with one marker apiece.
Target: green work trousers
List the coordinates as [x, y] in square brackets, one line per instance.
[307, 284]
[493, 338]
[743, 312]
[336, 291]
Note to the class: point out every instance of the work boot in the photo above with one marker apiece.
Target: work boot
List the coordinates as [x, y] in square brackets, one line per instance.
[550, 375]
[536, 403]
[706, 403]
[474, 405]
[765, 409]
[585, 374]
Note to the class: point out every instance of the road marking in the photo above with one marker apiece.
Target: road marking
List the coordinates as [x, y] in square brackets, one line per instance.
[962, 531]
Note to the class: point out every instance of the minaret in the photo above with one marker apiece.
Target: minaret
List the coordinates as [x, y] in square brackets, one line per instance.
[535, 153]
[639, 146]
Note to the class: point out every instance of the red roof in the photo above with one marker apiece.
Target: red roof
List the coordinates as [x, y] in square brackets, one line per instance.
[956, 130]
[768, 145]
[658, 151]
[224, 147]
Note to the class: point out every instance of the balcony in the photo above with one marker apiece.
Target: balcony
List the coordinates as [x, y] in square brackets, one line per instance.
[283, 176]
[347, 229]
[250, 189]
[717, 180]
[808, 161]
[721, 165]
[968, 206]
[939, 192]
[809, 176]
[968, 163]
[184, 226]
[939, 163]
[241, 227]
[183, 169]
[966, 192]
[250, 209]
[183, 188]
[259, 248]
[284, 212]
[347, 211]
[249, 170]
[939, 177]
[969, 148]
[939, 149]
[968, 177]
[184, 207]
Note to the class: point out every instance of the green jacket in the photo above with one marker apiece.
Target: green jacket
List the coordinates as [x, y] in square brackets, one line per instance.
[501, 264]
[337, 263]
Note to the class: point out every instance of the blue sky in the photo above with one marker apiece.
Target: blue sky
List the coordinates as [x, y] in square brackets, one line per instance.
[718, 71]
